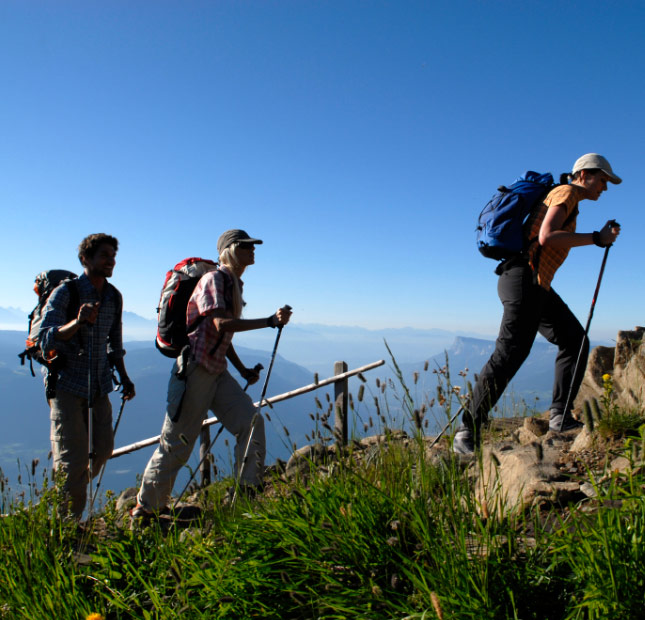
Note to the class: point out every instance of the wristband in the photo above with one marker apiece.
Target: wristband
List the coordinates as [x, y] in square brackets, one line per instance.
[271, 322]
[595, 237]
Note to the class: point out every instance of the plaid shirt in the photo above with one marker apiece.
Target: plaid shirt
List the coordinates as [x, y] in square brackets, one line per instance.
[106, 337]
[213, 292]
[548, 259]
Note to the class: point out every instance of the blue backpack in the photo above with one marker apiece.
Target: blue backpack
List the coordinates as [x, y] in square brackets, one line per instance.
[500, 227]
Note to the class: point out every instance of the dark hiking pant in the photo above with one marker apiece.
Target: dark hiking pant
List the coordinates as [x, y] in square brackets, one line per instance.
[529, 309]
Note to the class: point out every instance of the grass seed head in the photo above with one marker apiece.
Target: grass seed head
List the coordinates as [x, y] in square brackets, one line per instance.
[434, 599]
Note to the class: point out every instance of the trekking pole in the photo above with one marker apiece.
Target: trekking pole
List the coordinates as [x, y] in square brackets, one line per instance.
[90, 414]
[116, 426]
[447, 426]
[584, 338]
[255, 417]
[257, 368]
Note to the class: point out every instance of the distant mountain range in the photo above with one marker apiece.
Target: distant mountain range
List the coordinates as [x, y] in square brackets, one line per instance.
[313, 346]
[304, 350]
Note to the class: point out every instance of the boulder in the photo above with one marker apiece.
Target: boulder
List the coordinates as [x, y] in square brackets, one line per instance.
[303, 459]
[127, 499]
[584, 441]
[532, 430]
[519, 476]
[625, 363]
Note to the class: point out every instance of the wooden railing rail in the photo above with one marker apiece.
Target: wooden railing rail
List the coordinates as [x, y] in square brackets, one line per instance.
[341, 395]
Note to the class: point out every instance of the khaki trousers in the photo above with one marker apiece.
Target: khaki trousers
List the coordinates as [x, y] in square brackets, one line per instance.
[189, 401]
[69, 440]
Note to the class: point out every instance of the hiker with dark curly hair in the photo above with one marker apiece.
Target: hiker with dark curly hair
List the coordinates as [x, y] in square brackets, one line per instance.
[200, 381]
[531, 306]
[90, 342]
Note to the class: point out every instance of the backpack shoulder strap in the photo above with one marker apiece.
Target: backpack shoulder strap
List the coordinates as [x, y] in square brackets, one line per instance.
[74, 303]
[119, 299]
[197, 322]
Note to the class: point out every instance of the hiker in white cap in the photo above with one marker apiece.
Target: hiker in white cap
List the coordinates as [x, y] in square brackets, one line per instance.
[531, 306]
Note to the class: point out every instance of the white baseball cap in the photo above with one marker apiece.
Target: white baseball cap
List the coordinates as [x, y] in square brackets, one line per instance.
[593, 161]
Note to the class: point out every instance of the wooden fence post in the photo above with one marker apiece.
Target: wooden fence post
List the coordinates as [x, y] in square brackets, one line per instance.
[341, 396]
[204, 442]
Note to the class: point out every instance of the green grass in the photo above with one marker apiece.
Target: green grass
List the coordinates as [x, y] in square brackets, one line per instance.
[387, 536]
[359, 541]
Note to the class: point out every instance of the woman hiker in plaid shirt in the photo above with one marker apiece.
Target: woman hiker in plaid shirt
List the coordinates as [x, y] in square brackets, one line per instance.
[532, 306]
[206, 383]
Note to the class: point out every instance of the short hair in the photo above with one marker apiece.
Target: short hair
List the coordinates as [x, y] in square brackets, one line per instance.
[89, 246]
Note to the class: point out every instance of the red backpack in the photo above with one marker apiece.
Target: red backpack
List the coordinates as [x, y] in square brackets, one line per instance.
[180, 282]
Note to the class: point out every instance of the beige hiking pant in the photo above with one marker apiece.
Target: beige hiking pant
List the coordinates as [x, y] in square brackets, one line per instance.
[189, 401]
[70, 447]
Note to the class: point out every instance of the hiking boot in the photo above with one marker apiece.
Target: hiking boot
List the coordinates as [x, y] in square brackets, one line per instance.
[463, 442]
[557, 425]
[141, 516]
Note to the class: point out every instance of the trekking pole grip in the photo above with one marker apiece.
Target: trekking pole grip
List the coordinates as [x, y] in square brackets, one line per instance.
[613, 224]
[258, 367]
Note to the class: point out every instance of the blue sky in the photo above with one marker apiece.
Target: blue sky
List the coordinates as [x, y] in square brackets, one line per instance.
[359, 139]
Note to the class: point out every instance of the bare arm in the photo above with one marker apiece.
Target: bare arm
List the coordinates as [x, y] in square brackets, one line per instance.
[87, 313]
[233, 357]
[250, 374]
[226, 324]
[551, 233]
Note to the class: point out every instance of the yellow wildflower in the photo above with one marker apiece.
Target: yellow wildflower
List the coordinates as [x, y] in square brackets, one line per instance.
[95, 616]
[606, 377]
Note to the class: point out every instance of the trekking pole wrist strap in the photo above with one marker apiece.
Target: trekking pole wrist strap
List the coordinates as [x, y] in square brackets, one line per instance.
[272, 321]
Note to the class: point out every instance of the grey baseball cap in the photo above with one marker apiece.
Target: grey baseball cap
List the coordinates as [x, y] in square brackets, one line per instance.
[592, 161]
[234, 236]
